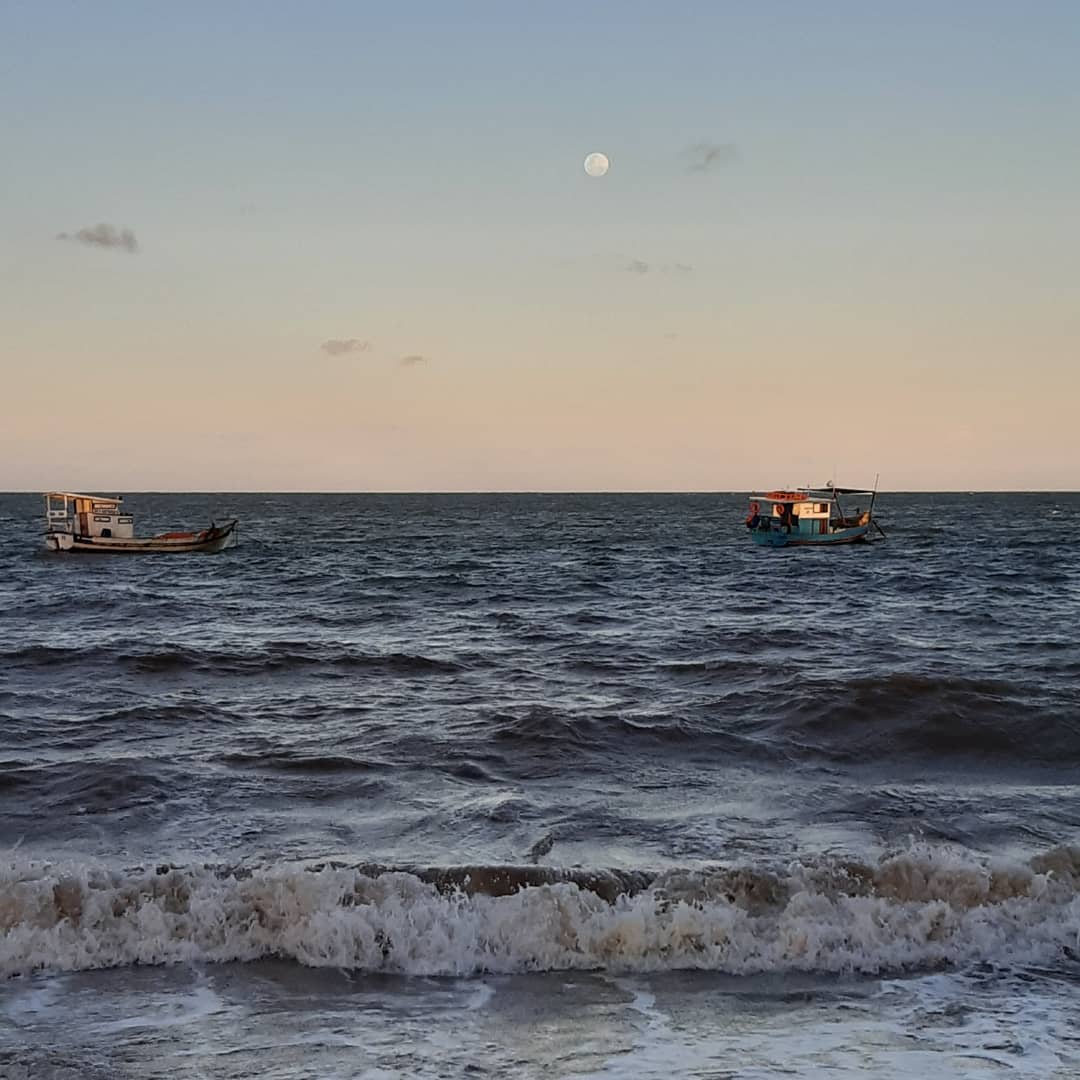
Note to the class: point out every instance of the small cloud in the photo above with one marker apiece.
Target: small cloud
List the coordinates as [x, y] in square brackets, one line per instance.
[344, 346]
[413, 360]
[703, 156]
[640, 266]
[104, 236]
[670, 336]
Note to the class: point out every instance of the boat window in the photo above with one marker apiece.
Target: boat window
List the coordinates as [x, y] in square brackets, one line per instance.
[106, 532]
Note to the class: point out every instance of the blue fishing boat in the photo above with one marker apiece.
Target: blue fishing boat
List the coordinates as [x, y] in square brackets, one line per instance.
[804, 517]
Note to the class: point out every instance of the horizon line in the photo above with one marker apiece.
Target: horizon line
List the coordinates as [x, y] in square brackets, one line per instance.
[541, 491]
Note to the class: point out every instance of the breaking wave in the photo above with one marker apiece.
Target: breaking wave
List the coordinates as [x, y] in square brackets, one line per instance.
[918, 909]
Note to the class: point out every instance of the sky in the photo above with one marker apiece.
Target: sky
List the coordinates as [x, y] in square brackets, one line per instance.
[351, 246]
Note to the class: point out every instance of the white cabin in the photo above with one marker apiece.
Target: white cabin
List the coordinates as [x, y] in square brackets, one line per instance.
[88, 515]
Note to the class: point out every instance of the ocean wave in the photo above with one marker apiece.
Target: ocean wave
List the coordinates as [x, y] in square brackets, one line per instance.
[929, 716]
[92, 785]
[917, 909]
[273, 657]
[44, 655]
[15, 773]
[896, 716]
[293, 761]
[555, 731]
[715, 666]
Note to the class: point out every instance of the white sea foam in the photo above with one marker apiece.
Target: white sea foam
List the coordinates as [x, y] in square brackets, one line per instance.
[172, 1010]
[917, 909]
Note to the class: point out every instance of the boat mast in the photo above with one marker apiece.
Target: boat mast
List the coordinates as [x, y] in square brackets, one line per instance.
[836, 499]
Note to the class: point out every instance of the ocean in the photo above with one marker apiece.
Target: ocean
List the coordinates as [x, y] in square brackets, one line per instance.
[542, 785]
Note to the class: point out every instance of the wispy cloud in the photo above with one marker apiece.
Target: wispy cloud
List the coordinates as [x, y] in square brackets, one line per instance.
[640, 266]
[344, 346]
[703, 156]
[413, 360]
[104, 236]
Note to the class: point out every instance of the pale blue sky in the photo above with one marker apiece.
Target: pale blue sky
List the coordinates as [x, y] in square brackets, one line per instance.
[901, 215]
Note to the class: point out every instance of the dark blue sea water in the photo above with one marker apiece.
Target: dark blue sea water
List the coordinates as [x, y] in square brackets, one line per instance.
[533, 785]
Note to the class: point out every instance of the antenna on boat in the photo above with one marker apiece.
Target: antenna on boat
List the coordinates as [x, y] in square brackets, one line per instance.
[873, 496]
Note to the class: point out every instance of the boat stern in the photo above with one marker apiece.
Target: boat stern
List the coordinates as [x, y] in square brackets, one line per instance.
[769, 537]
[57, 540]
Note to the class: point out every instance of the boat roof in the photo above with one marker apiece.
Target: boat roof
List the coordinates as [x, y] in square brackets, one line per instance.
[780, 496]
[841, 491]
[76, 495]
[807, 494]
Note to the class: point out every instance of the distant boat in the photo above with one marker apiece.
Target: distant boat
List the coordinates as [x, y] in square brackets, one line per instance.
[96, 523]
[805, 517]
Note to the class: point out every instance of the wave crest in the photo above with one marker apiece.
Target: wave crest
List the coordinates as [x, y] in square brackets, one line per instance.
[913, 910]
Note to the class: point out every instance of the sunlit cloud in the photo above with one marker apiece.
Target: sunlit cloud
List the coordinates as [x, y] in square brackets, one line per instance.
[344, 346]
[103, 236]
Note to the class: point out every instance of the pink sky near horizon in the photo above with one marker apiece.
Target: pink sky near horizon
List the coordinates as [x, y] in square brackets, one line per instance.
[876, 271]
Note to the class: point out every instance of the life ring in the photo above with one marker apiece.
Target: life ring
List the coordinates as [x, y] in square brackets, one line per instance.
[779, 509]
[755, 508]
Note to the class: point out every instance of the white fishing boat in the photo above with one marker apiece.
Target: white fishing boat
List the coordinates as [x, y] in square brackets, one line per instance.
[96, 523]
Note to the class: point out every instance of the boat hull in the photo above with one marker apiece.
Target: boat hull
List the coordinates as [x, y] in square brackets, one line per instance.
[779, 538]
[209, 542]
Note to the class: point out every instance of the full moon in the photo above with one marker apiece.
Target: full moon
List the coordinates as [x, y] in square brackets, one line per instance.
[597, 164]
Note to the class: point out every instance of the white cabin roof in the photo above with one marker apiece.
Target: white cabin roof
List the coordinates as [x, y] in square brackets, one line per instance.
[76, 495]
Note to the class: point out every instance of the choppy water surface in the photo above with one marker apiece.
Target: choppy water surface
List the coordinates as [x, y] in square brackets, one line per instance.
[542, 785]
